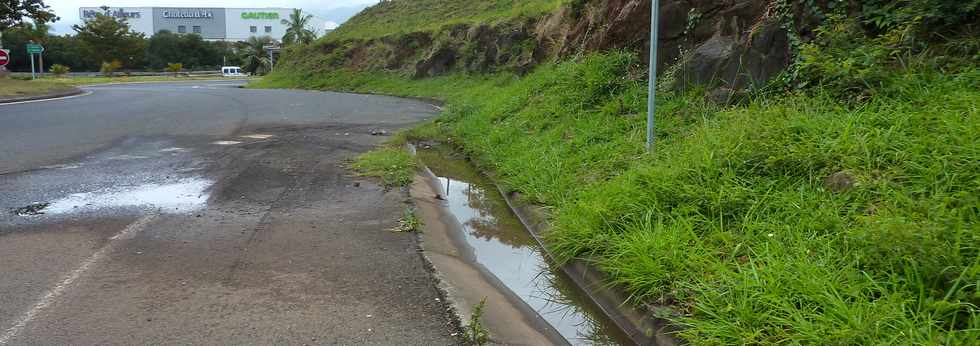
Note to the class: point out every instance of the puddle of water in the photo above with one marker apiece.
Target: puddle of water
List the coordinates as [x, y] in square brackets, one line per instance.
[173, 150]
[257, 136]
[183, 196]
[226, 142]
[502, 245]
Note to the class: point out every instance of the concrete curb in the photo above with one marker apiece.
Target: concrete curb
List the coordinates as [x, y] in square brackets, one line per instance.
[640, 324]
[462, 282]
[73, 92]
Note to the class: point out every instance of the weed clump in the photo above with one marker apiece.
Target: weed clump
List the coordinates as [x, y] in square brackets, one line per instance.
[395, 166]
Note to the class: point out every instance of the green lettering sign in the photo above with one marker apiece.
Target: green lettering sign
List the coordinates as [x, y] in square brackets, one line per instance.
[260, 15]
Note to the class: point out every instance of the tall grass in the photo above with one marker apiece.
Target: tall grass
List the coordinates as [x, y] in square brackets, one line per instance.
[795, 219]
[399, 17]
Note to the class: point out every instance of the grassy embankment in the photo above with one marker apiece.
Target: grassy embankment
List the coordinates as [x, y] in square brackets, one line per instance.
[800, 218]
[813, 216]
[422, 15]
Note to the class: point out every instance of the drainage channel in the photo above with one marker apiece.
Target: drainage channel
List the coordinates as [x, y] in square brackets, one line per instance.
[505, 249]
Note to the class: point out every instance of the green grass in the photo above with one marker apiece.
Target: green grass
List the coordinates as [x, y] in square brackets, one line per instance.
[11, 87]
[399, 17]
[730, 220]
[394, 165]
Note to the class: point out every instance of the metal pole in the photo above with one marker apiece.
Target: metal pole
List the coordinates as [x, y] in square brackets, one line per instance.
[652, 84]
[33, 76]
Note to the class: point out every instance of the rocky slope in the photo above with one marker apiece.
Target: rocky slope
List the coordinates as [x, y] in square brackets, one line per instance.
[731, 44]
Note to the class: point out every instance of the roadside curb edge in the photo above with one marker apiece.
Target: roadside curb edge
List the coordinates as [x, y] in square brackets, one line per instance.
[75, 91]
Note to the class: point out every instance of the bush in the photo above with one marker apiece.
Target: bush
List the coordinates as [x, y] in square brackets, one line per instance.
[109, 68]
[175, 68]
[856, 50]
[59, 70]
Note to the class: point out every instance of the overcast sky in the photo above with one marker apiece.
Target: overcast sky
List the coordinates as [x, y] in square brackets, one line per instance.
[330, 10]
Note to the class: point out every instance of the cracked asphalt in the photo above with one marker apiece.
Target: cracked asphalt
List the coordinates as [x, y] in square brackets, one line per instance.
[203, 213]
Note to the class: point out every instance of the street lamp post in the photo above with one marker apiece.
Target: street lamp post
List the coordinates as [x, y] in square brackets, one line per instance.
[651, 98]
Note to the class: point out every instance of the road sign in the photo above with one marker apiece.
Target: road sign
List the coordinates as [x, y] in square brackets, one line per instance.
[4, 57]
[34, 48]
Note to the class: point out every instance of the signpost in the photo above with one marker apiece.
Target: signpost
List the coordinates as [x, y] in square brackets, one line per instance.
[34, 48]
[272, 49]
[651, 100]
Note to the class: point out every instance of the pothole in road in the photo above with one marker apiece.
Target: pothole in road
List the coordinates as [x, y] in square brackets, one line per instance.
[30, 210]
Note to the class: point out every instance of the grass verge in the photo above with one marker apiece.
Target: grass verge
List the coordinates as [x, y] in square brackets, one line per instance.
[394, 165]
[792, 219]
[10, 88]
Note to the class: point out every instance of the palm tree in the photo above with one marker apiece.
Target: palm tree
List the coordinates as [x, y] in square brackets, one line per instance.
[255, 57]
[297, 30]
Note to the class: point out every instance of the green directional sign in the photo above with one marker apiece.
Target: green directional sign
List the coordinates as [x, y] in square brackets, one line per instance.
[34, 48]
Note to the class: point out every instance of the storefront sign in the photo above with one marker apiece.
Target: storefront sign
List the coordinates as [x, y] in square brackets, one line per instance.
[115, 13]
[260, 15]
[193, 14]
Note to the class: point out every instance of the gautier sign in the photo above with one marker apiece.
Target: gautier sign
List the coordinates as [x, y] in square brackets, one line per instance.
[260, 15]
[204, 14]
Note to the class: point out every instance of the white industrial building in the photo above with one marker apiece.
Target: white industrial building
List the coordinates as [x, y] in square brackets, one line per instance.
[215, 24]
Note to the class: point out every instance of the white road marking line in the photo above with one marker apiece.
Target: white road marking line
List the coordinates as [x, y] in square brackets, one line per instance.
[49, 298]
[46, 100]
[226, 142]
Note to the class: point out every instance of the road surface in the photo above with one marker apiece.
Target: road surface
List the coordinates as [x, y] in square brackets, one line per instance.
[203, 213]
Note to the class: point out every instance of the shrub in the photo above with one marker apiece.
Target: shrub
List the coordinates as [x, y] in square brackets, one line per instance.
[109, 68]
[59, 70]
[857, 49]
[175, 68]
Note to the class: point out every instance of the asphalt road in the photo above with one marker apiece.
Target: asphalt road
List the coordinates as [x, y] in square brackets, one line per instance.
[202, 213]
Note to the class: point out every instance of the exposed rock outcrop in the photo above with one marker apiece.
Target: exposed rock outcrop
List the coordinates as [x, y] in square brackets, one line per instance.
[735, 44]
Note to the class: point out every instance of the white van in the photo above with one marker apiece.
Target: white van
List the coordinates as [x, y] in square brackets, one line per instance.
[231, 71]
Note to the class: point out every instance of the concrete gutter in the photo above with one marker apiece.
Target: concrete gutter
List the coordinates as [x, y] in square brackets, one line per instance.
[65, 93]
[638, 323]
[464, 282]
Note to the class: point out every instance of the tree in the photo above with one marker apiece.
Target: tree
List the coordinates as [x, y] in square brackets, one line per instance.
[254, 56]
[16, 38]
[13, 12]
[298, 30]
[106, 39]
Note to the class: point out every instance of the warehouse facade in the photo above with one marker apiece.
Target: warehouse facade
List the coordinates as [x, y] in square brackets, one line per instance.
[214, 24]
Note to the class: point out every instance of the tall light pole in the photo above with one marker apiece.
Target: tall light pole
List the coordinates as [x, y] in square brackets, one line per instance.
[652, 98]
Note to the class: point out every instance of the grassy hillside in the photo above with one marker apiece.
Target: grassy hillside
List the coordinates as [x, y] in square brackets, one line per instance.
[838, 206]
[401, 16]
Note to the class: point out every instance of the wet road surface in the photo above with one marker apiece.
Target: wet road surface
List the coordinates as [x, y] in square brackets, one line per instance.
[203, 213]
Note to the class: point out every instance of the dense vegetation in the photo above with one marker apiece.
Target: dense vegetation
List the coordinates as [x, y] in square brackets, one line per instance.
[839, 205]
[400, 16]
[108, 40]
